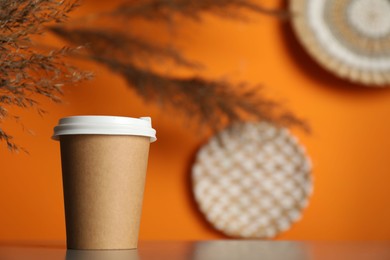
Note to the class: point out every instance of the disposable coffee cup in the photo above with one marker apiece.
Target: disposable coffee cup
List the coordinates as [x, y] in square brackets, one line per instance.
[104, 161]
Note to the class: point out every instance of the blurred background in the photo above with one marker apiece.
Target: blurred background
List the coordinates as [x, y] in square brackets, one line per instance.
[347, 146]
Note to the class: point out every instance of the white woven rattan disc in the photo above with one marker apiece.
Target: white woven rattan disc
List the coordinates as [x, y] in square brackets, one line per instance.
[252, 180]
[349, 37]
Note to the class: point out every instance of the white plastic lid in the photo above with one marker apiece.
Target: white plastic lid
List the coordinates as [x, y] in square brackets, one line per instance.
[105, 125]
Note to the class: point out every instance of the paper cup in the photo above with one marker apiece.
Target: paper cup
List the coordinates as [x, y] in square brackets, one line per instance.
[104, 161]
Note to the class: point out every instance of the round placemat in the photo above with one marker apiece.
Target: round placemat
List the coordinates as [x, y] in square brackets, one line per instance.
[348, 37]
[252, 180]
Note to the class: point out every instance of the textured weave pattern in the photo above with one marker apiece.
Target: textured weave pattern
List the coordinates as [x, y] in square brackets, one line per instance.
[349, 37]
[253, 181]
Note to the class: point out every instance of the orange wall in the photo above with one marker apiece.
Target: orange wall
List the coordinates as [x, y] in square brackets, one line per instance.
[348, 147]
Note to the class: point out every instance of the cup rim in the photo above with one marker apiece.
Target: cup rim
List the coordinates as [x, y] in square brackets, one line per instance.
[104, 125]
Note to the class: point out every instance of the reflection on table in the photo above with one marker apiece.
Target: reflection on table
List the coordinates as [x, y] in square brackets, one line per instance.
[205, 250]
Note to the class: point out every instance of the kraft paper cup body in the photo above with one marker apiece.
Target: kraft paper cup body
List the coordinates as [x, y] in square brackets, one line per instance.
[104, 161]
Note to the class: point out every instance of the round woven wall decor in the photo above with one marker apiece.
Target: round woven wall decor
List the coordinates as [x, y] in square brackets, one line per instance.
[252, 180]
[348, 37]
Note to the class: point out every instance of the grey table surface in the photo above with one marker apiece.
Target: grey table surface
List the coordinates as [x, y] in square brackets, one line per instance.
[204, 250]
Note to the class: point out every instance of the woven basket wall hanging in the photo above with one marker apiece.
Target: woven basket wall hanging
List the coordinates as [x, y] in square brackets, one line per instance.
[252, 180]
[348, 37]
